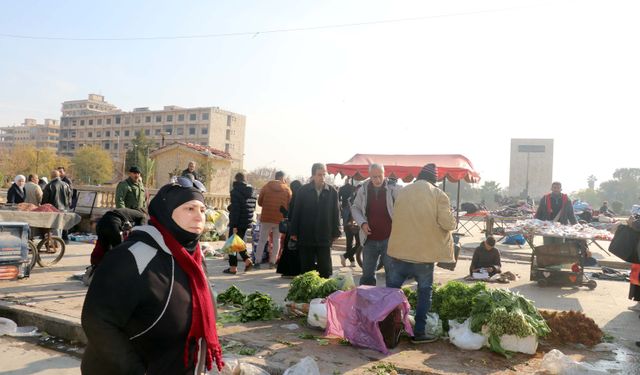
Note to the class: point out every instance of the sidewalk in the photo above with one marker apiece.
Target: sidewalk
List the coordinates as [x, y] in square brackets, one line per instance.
[53, 302]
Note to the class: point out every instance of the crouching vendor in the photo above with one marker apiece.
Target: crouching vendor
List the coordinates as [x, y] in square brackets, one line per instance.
[486, 257]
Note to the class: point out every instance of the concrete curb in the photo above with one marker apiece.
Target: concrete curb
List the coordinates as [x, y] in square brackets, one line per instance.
[58, 325]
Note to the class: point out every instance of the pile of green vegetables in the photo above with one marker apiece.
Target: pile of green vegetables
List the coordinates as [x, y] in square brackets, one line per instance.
[255, 306]
[453, 300]
[505, 312]
[310, 285]
[412, 297]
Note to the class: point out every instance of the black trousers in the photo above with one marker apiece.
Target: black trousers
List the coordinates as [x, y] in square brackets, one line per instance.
[316, 258]
[351, 250]
[233, 258]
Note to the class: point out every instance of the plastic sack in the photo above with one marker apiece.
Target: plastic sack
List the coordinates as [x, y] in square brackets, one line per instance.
[460, 335]
[345, 280]
[556, 363]
[434, 325]
[7, 326]
[306, 366]
[514, 239]
[356, 314]
[317, 316]
[512, 343]
[232, 366]
[234, 244]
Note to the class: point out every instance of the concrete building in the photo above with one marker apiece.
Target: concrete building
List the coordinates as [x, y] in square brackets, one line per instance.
[96, 122]
[531, 169]
[214, 165]
[30, 133]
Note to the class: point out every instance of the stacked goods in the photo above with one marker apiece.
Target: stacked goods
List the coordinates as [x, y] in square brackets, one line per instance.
[572, 327]
[548, 228]
[310, 285]
[46, 208]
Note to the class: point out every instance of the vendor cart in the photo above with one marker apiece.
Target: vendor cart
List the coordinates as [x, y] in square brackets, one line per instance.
[560, 264]
[50, 249]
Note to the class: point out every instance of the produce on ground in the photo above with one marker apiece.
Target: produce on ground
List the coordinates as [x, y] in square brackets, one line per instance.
[453, 300]
[505, 312]
[572, 327]
[310, 285]
[412, 297]
[258, 306]
[233, 295]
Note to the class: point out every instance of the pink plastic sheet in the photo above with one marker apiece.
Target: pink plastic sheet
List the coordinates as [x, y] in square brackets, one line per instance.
[355, 314]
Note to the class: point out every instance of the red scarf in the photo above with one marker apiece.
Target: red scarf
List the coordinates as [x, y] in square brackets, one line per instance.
[203, 320]
[548, 201]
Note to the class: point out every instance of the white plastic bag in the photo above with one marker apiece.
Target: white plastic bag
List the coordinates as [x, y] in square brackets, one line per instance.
[7, 326]
[512, 343]
[460, 335]
[306, 366]
[556, 363]
[345, 280]
[434, 325]
[317, 316]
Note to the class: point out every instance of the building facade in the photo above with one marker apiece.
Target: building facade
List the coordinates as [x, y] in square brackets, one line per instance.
[531, 169]
[30, 133]
[96, 122]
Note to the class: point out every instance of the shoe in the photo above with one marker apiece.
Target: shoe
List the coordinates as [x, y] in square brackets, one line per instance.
[257, 266]
[343, 260]
[248, 266]
[272, 265]
[423, 339]
[635, 307]
[228, 270]
[352, 263]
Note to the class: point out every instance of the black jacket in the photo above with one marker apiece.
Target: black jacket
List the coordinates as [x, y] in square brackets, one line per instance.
[316, 220]
[15, 194]
[243, 204]
[483, 258]
[58, 194]
[561, 204]
[137, 312]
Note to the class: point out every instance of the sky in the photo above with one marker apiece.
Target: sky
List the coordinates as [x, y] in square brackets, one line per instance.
[320, 81]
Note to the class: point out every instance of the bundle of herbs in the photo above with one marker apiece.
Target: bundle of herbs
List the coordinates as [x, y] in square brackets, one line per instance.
[310, 285]
[233, 295]
[258, 306]
[453, 300]
[504, 312]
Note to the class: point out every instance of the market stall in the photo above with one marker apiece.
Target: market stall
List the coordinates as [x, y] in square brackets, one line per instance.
[451, 167]
[47, 220]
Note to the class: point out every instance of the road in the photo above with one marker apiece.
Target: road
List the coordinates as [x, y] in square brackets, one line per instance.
[20, 358]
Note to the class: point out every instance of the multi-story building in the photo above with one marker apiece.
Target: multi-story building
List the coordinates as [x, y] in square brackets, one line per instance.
[30, 133]
[96, 122]
[531, 167]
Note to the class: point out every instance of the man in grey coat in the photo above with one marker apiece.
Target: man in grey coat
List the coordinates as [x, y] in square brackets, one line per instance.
[372, 209]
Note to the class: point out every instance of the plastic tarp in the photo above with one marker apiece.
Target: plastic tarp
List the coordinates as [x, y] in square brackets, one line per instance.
[453, 167]
[355, 314]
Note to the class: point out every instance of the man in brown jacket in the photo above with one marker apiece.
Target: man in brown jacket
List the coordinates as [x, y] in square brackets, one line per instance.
[420, 237]
[273, 195]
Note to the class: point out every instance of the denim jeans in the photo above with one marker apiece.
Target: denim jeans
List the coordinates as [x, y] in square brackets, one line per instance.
[398, 271]
[372, 252]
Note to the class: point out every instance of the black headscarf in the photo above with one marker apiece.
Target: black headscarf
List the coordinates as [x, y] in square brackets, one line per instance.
[161, 208]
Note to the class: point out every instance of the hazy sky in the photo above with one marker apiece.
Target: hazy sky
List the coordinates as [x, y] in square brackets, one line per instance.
[452, 77]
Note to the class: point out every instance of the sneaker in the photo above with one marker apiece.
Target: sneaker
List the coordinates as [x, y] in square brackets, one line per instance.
[343, 260]
[248, 267]
[423, 339]
[352, 263]
[635, 307]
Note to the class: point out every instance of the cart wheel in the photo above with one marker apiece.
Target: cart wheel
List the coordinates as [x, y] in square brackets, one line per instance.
[543, 283]
[591, 284]
[50, 251]
[359, 258]
[33, 255]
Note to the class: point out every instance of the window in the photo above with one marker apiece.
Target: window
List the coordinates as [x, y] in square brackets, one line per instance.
[192, 131]
[64, 134]
[107, 133]
[89, 134]
[98, 134]
[126, 146]
[158, 118]
[147, 132]
[157, 132]
[205, 116]
[204, 131]
[137, 119]
[127, 119]
[116, 133]
[180, 131]
[81, 122]
[73, 134]
[168, 130]
[226, 148]
[106, 145]
[90, 122]
[147, 119]
[99, 121]
[228, 135]
[180, 117]
[229, 119]
[137, 133]
[108, 121]
[115, 146]
[73, 123]
[126, 133]
[169, 118]
[117, 119]
[192, 117]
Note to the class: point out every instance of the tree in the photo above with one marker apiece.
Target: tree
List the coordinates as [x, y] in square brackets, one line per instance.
[92, 165]
[260, 176]
[138, 155]
[591, 181]
[28, 160]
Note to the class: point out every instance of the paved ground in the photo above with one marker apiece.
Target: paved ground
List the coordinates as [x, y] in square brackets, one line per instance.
[50, 295]
[20, 357]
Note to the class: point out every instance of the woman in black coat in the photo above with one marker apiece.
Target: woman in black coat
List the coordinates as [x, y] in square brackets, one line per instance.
[243, 204]
[15, 194]
[289, 263]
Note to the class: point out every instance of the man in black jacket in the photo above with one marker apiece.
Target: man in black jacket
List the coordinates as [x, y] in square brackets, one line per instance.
[57, 193]
[243, 204]
[315, 223]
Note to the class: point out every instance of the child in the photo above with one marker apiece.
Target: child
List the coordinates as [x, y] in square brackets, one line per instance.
[487, 257]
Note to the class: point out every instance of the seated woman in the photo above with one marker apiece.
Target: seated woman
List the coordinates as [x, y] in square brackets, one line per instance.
[487, 257]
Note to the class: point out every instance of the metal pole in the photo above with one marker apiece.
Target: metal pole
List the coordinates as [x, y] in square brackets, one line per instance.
[458, 205]
[526, 188]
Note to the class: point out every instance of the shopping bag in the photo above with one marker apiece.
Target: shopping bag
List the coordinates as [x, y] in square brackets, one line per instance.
[624, 244]
[234, 244]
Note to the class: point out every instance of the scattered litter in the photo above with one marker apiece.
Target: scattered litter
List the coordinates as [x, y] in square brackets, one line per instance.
[291, 327]
[604, 347]
[10, 328]
[306, 366]
[556, 363]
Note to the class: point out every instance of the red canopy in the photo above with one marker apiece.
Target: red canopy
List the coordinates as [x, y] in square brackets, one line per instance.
[407, 167]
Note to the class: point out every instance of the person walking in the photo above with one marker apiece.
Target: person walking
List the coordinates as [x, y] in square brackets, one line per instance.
[241, 209]
[150, 308]
[16, 194]
[420, 236]
[32, 191]
[316, 221]
[289, 262]
[372, 209]
[58, 194]
[273, 195]
[130, 193]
